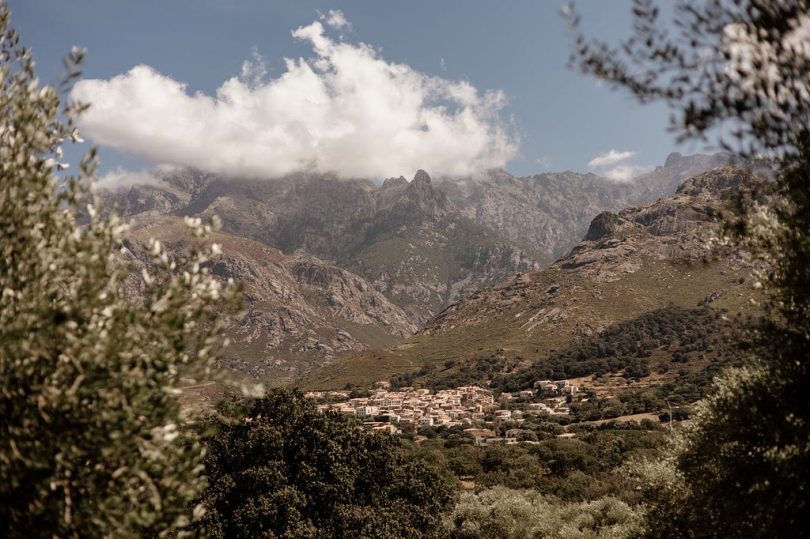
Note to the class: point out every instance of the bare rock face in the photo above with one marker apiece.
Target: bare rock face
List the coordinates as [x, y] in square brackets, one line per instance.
[631, 262]
[548, 213]
[616, 267]
[678, 227]
[721, 182]
[603, 225]
[332, 266]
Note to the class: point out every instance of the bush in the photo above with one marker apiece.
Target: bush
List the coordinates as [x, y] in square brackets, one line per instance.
[502, 513]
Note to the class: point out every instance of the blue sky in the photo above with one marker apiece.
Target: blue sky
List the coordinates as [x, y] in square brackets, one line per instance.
[556, 118]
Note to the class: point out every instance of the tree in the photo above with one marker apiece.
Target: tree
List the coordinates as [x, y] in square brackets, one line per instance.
[93, 441]
[287, 470]
[742, 467]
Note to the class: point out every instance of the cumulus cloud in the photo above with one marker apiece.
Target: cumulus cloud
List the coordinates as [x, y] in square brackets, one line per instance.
[613, 166]
[334, 18]
[346, 110]
[609, 158]
[254, 70]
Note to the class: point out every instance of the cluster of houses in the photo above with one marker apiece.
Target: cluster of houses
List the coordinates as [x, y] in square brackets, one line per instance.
[408, 408]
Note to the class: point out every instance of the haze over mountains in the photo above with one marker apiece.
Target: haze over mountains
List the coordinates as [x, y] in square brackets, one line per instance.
[333, 265]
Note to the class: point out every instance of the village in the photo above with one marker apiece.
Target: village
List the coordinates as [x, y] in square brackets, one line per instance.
[408, 409]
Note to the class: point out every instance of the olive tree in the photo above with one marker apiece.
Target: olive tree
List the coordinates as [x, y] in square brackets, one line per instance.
[740, 68]
[93, 439]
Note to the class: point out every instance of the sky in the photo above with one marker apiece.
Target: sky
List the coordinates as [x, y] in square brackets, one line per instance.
[362, 88]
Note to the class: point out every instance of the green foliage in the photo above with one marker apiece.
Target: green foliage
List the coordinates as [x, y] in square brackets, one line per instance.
[628, 346]
[672, 335]
[742, 468]
[287, 470]
[579, 469]
[93, 440]
[698, 481]
[502, 513]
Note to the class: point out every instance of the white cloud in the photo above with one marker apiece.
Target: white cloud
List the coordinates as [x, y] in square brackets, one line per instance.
[613, 166]
[442, 64]
[624, 173]
[334, 18]
[123, 179]
[347, 111]
[609, 158]
[254, 70]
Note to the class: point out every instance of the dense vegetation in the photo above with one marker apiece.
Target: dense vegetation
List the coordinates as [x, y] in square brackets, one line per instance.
[629, 346]
[280, 468]
[582, 468]
[502, 513]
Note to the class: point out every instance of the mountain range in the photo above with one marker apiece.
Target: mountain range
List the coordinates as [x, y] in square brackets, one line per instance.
[334, 266]
[630, 263]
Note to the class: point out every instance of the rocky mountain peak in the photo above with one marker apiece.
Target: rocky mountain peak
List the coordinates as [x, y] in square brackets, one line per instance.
[719, 181]
[673, 158]
[421, 177]
[421, 199]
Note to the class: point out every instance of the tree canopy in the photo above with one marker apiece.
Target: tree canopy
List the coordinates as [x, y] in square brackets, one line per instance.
[284, 469]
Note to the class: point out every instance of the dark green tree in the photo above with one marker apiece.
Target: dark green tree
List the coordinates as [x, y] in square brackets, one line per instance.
[742, 467]
[284, 469]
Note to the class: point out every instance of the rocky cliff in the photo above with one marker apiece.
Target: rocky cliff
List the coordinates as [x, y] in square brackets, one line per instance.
[548, 213]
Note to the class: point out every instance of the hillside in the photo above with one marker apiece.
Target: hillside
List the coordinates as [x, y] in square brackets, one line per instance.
[423, 244]
[629, 263]
[299, 311]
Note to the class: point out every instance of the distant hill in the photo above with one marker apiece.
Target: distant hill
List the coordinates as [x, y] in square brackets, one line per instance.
[404, 237]
[629, 263]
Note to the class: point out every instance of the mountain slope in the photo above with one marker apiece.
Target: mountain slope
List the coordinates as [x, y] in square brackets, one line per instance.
[300, 312]
[632, 262]
[404, 237]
